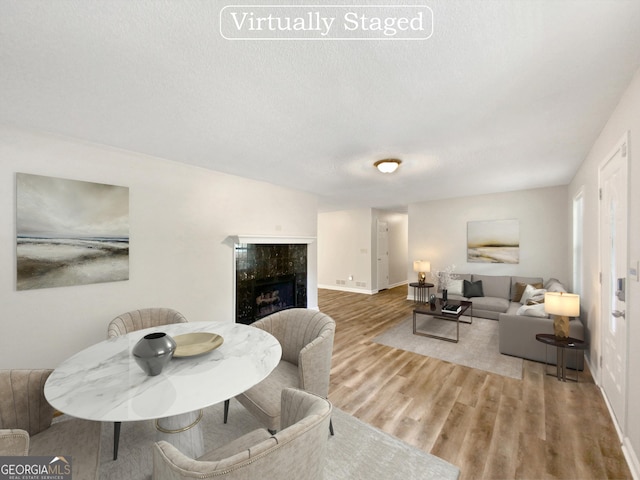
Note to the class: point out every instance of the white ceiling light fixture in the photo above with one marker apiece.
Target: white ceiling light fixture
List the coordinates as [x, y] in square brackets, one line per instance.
[388, 165]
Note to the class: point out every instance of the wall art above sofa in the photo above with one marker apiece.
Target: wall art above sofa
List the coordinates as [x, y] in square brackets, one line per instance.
[493, 241]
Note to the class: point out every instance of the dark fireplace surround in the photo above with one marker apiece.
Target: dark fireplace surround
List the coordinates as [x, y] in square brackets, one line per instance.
[269, 277]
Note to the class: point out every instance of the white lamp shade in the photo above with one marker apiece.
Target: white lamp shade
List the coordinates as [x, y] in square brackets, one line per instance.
[421, 266]
[563, 304]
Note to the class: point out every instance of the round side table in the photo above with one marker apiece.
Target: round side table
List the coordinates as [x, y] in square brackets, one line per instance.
[562, 344]
[421, 291]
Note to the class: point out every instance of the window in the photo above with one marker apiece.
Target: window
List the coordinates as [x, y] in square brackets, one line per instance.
[578, 232]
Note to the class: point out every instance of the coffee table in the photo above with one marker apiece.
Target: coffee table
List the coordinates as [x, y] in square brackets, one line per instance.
[435, 310]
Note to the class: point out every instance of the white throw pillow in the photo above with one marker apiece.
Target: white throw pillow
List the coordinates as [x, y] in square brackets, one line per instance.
[532, 293]
[532, 310]
[455, 287]
[526, 295]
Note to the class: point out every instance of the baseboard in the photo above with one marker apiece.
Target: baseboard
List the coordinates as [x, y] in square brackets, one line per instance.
[632, 458]
[627, 450]
[348, 289]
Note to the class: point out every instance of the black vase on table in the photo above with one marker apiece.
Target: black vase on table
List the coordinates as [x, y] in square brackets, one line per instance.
[153, 352]
[444, 294]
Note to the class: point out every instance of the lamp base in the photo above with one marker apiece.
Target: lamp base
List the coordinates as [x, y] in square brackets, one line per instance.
[561, 326]
[422, 278]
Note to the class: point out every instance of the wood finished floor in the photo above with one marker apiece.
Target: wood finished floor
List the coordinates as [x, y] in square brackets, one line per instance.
[491, 427]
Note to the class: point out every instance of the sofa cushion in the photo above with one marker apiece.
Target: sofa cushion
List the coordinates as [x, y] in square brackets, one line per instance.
[473, 289]
[491, 304]
[554, 285]
[495, 285]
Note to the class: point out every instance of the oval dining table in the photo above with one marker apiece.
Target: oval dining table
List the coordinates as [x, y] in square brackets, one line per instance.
[104, 383]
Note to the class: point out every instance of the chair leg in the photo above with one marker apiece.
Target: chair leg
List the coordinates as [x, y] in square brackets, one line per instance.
[116, 438]
[331, 426]
[226, 410]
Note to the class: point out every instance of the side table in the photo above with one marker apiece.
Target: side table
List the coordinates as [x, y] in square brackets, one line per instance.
[562, 344]
[421, 291]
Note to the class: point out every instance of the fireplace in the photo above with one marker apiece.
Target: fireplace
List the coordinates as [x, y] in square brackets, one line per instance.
[269, 278]
[274, 294]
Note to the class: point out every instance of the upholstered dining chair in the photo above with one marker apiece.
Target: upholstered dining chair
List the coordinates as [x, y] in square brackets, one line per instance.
[143, 318]
[26, 426]
[138, 320]
[297, 451]
[306, 337]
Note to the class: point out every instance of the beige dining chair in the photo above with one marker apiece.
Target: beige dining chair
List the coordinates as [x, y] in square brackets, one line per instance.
[306, 337]
[138, 320]
[143, 318]
[26, 426]
[296, 452]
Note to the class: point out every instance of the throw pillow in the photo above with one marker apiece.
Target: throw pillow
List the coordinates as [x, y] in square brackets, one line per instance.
[532, 310]
[532, 293]
[473, 289]
[537, 296]
[519, 290]
[455, 287]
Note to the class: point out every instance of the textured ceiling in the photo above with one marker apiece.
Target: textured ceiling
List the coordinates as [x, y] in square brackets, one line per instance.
[505, 95]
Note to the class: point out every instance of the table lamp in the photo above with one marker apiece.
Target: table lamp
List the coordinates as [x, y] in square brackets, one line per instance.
[562, 306]
[421, 267]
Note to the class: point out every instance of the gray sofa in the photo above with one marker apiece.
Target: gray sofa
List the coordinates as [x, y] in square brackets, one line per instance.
[517, 329]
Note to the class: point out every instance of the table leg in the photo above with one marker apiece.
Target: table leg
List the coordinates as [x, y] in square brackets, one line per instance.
[116, 438]
[559, 372]
[184, 432]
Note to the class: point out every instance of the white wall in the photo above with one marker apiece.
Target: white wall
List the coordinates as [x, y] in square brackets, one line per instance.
[347, 246]
[180, 257]
[345, 249]
[625, 118]
[438, 232]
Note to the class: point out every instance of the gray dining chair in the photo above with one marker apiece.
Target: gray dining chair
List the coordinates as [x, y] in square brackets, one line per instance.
[297, 451]
[306, 337]
[27, 427]
[138, 320]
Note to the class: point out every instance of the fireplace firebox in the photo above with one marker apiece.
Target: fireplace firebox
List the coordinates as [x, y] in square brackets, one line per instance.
[269, 278]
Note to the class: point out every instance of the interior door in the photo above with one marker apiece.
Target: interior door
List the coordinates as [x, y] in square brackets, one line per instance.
[613, 262]
[383, 255]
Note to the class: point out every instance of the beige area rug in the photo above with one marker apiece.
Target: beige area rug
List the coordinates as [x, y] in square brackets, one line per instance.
[357, 451]
[477, 348]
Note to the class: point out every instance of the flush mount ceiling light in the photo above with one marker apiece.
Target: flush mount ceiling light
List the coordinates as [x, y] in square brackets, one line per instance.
[388, 165]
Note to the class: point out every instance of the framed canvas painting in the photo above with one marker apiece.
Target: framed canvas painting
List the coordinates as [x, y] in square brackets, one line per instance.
[70, 232]
[493, 241]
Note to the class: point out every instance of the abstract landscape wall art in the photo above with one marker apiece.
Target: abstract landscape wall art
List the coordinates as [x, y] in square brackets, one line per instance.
[494, 241]
[70, 232]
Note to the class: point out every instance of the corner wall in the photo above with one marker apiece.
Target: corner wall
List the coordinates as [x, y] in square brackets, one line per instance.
[180, 255]
[347, 246]
[438, 232]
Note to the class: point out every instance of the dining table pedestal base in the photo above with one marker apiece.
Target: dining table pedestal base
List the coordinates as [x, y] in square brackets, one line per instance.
[183, 431]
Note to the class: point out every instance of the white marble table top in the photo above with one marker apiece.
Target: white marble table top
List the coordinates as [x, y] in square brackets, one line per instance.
[104, 383]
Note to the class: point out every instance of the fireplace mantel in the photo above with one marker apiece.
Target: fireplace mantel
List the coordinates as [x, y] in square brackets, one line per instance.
[271, 239]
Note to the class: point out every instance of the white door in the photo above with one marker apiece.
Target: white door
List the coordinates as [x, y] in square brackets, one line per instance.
[613, 262]
[383, 255]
